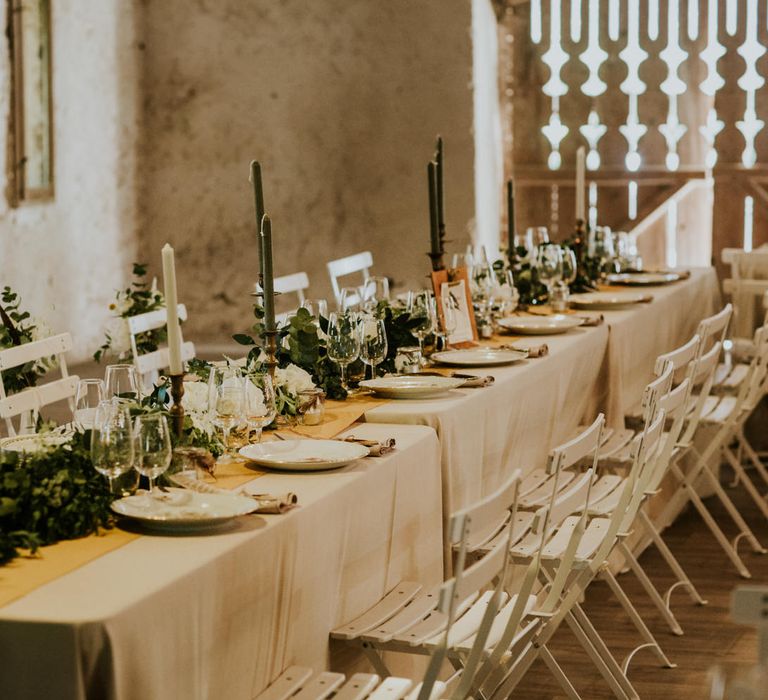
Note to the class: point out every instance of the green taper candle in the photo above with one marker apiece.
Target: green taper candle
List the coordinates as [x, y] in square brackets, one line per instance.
[510, 213]
[434, 235]
[269, 279]
[440, 194]
[258, 199]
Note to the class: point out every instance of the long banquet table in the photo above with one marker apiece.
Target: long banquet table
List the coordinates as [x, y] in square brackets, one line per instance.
[221, 616]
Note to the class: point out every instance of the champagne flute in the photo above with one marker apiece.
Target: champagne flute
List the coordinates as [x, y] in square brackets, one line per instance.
[373, 342]
[112, 448]
[90, 393]
[343, 343]
[121, 381]
[153, 449]
[421, 310]
[260, 405]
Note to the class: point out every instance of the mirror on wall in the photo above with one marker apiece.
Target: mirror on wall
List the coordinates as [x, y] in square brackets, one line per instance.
[32, 120]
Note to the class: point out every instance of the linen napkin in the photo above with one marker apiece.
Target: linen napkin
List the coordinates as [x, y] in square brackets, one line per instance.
[592, 320]
[534, 351]
[267, 503]
[376, 448]
[472, 381]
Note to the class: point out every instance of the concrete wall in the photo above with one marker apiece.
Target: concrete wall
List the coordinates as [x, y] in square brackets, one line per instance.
[67, 256]
[339, 100]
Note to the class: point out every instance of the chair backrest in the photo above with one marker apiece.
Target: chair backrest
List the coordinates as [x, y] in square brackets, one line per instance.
[295, 283]
[714, 328]
[747, 284]
[360, 262]
[679, 357]
[655, 389]
[574, 451]
[701, 374]
[26, 403]
[149, 364]
[753, 388]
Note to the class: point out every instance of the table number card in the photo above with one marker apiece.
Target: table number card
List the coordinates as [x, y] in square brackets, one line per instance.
[452, 287]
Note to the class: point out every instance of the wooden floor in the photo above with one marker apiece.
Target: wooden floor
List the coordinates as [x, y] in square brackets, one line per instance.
[710, 635]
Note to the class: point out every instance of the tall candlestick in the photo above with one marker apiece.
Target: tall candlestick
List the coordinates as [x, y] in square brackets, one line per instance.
[510, 214]
[172, 311]
[439, 184]
[580, 183]
[269, 279]
[258, 200]
[434, 235]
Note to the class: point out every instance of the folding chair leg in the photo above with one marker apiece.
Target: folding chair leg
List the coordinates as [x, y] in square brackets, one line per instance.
[650, 589]
[753, 457]
[645, 633]
[558, 673]
[601, 656]
[746, 482]
[677, 569]
[376, 661]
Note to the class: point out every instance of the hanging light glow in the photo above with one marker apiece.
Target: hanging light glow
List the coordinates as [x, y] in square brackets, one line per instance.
[593, 131]
[673, 86]
[750, 81]
[594, 56]
[535, 21]
[575, 21]
[633, 55]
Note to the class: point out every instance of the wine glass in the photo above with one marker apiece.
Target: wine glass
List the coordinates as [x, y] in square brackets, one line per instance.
[465, 259]
[481, 283]
[375, 289]
[227, 409]
[449, 320]
[153, 450]
[600, 246]
[318, 308]
[569, 265]
[373, 342]
[90, 393]
[112, 448]
[538, 234]
[523, 244]
[122, 381]
[421, 311]
[260, 405]
[349, 299]
[503, 294]
[549, 264]
[343, 343]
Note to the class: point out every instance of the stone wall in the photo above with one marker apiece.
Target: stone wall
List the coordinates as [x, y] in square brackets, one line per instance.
[66, 257]
[339, 100]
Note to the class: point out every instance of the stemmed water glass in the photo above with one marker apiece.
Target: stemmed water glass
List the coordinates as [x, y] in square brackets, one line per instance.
[349, 299]
[422, 312]
[90, 393]
[153, 450]
[343, 343]
[503, 294]
[226, 400]
[600, 246]
[549, 264]
[121, 381]
[569, 265]
[375, 290]
[112, 446]
[448, 317]
[260, 405]
[524, 242]
[373, 342]
[318, 308]
[538, 235]
[481, 283]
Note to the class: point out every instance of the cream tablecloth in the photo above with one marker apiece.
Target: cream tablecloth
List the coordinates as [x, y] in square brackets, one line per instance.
[219, 616]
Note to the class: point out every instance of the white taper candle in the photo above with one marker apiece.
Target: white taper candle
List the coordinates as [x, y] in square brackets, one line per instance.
[172, 311]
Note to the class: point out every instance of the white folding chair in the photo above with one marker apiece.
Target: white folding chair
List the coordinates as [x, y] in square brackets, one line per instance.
[149, 364]
[297, 284]
[27, 403]
[360, 262]
[746, 286]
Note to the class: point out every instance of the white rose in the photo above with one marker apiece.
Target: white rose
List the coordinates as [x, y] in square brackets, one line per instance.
[195, 399]
[293, 379]
[401, 361]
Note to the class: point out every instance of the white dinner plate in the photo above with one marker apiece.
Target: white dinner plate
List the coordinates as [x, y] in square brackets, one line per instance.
[304, 455]
[180, 509]
[643, 279]
[33, 443]
[479, 357]
[609, 301]
[411, 386]
[540, 325]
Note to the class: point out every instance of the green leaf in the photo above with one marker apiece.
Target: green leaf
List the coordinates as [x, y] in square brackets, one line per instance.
[243, 339]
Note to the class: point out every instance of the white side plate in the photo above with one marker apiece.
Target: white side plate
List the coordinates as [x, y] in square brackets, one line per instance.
[479, 357]
[609, 301]
[411, 386]
[643, 279]
[541, 325]
[304, 455]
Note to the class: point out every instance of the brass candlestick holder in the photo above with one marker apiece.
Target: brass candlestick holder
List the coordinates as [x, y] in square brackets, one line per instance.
[270, 338]
[177, 410]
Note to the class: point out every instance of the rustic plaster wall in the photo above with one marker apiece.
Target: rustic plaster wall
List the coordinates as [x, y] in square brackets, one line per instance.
[340, 101]
[67, 256]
